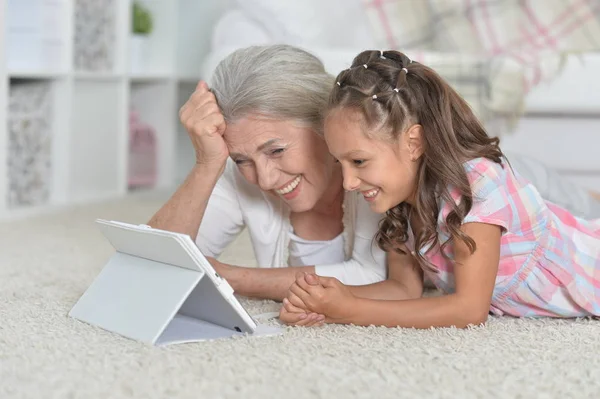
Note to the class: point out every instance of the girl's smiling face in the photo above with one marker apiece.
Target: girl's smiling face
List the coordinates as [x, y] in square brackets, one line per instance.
[383, 169]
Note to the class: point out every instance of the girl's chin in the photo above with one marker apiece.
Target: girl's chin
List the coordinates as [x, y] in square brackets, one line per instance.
[382, 204]
[381, 210]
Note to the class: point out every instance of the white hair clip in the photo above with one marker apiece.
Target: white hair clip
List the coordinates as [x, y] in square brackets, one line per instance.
[397, 90]
[374, 96]
[365, 65]
[338, 83]
[381, 54]
[405, 70]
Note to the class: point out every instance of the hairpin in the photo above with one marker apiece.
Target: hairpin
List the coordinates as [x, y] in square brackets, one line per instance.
[338, 83]
[397, 90]
[365, 65]
[374, 96]
[405, 70]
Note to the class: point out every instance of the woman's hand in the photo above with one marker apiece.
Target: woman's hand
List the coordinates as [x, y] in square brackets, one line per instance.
[300, 318]
[323, 295]
[299, 315]
[205, 124]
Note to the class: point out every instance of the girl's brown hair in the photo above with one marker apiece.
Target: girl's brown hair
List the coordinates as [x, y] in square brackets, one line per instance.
[393, 93]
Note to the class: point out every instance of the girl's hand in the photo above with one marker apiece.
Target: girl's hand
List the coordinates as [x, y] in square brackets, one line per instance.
[323, 295]
[296, 313]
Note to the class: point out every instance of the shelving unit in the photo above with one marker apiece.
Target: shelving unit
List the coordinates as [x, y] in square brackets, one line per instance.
[83, 52]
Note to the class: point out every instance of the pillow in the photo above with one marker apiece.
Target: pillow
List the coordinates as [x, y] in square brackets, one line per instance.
[235, 29]
[333, 23]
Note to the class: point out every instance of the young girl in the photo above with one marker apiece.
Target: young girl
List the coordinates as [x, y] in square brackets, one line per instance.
[455, 210]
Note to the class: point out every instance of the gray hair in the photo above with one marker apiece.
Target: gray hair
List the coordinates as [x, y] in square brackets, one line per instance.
[276, 81]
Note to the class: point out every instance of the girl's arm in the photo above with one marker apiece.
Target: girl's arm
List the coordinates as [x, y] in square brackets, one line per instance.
[475, 276]
[405, 280]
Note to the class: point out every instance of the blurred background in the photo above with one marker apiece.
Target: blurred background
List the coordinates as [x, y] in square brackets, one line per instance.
[90, 89]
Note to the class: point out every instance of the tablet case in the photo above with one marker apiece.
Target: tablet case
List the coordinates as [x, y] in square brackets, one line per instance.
[158, 288]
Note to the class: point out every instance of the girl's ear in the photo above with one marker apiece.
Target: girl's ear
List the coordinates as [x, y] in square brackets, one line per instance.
[414, 137]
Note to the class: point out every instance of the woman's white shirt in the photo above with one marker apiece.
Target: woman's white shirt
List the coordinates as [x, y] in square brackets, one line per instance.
[309, 253]
[235, 203]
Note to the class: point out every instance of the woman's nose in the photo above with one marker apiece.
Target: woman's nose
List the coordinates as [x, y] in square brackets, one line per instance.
[267, 176]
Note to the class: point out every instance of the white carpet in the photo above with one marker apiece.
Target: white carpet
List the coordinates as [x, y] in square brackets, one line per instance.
[47, 263]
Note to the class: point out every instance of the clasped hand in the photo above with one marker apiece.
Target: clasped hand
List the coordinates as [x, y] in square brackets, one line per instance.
[314, 300]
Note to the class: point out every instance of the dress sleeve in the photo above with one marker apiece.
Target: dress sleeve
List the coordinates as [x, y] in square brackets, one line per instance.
[223, 220]
[494, 189]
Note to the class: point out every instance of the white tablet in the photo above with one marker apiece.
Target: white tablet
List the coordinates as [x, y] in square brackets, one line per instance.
[159, 288]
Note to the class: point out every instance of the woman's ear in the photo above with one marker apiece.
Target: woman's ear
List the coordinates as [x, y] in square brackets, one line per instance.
[416, 145]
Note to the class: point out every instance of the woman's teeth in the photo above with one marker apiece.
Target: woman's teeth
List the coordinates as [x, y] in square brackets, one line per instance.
[290, 187]
[370, 193]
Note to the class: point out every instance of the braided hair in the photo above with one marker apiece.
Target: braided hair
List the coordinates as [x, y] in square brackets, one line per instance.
[392, 93]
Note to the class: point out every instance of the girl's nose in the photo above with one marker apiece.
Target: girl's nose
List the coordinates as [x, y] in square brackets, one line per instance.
[351, 183]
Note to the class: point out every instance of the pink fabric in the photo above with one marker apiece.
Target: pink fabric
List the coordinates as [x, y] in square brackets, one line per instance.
[549, 259]
[142, 157]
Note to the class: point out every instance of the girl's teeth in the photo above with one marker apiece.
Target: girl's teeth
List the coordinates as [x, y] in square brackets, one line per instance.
[370, 194]
[290, 187]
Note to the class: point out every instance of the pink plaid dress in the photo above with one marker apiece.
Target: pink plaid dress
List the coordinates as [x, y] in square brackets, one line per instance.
[549, 259]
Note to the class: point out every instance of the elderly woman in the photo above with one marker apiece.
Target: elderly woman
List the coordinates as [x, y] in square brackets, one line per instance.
[261, 163]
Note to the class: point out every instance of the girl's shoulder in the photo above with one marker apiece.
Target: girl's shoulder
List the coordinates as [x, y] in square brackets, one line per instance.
[485, 175]
[484, 167]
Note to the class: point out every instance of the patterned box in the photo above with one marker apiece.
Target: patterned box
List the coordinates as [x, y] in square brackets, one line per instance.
[95, 31]
[30, 144]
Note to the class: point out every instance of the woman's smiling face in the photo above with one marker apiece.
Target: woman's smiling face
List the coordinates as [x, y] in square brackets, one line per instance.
[283, 158]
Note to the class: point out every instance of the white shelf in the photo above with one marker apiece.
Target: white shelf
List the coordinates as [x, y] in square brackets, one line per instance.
[106, 76]
[150, 77]
[94, 85]
[39, 74]
[189, 79]
[185, 151]
[3, 116]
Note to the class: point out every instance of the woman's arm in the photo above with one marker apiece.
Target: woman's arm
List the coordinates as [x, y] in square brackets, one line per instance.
[475, 276]
[405, 280]
[262, 283]
[205, 124]
[184, 211]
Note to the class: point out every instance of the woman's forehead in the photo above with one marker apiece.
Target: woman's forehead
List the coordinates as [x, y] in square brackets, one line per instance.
[254, 134]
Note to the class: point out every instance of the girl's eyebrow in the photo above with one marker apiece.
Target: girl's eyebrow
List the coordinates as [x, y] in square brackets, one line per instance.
[353, 153]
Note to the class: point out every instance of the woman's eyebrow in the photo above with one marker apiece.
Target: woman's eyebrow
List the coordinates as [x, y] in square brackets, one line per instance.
[261, 147]
[266, 144]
